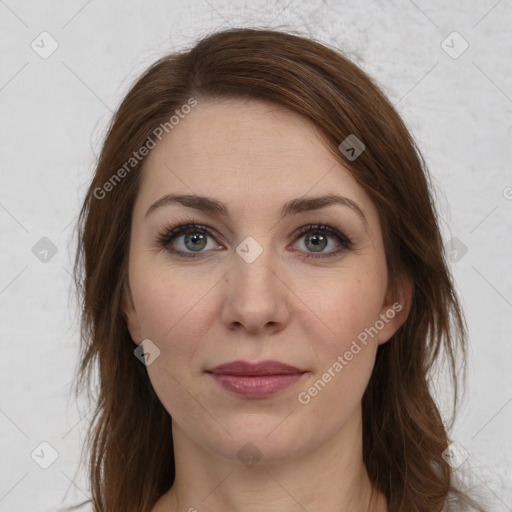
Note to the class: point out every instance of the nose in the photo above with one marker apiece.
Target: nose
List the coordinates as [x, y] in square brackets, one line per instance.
[256, 296]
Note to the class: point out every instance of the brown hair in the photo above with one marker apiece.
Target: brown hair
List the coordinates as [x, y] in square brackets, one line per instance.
[129, 441]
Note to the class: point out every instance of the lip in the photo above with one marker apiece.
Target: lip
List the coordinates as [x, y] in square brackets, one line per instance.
[261, 368]
[255, 379]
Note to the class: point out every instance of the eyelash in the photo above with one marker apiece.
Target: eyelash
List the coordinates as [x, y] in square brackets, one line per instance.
[168, 234]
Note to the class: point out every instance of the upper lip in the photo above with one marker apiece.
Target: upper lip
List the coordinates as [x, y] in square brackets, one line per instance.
[261, 368]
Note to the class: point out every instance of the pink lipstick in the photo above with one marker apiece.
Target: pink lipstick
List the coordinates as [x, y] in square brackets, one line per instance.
[255, 379]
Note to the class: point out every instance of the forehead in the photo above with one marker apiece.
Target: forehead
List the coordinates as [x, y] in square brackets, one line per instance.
[248, 154]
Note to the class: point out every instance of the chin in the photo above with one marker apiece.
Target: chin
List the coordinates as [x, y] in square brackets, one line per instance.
[259, 445]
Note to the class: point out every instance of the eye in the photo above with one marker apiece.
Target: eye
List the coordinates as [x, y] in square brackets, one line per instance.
[317, 238]
[194, 240]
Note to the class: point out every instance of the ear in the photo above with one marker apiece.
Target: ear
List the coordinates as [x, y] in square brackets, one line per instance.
[130, 315]
[396, 307]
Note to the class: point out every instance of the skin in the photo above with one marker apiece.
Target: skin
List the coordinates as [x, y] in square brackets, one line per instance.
[254, 156]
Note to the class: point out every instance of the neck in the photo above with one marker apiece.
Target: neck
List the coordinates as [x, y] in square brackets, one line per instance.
[330, 477]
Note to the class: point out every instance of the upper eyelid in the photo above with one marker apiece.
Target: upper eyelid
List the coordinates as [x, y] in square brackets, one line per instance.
[299, 232]
[294, 206]
[206, 227]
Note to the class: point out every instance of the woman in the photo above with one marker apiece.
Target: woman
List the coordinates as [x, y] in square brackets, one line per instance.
[265, 291]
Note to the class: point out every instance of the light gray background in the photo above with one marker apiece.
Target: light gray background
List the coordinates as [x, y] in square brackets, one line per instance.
[54, 112]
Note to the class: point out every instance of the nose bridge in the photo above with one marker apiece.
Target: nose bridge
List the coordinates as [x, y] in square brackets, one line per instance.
[254, 262]
[255, 296]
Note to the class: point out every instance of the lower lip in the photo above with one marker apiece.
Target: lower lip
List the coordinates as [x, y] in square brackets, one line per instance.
[256, 385]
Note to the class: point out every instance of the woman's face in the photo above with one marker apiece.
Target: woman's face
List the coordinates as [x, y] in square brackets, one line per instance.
[253, 287]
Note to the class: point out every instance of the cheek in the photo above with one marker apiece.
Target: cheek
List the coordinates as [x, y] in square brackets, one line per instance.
[175, 313]
[349, 307]
[346, 357]
[168, 302]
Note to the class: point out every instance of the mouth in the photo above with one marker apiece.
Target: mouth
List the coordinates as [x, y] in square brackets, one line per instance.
[256, 380]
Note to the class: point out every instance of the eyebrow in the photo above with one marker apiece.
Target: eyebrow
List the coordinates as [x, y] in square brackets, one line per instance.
[294, 206]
